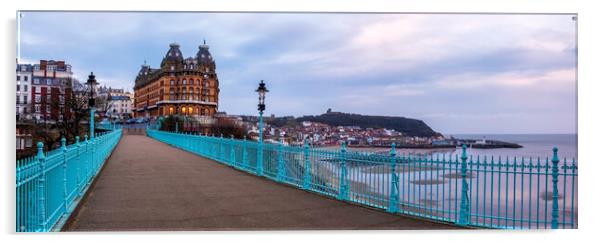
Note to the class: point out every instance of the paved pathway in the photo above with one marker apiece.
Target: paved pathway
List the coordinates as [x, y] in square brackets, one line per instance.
[148, 185]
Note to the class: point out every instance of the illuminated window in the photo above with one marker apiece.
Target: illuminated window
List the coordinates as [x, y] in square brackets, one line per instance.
[171, 110]
[183, 110]
[190, 110]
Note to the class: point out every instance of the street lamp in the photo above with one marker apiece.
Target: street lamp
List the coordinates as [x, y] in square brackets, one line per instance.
[91, 100]
[261, 90]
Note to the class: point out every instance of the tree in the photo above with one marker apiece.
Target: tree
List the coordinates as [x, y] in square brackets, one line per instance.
[228, 127]
[222, 126]
[76, 104]
[104, 103]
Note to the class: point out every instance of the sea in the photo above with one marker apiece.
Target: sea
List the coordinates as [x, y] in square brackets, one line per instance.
[534, 146]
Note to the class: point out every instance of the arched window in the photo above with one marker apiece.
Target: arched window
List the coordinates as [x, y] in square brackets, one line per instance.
[171, 110]
[191, 94]
[171, 94]
[198, 82]
[183, 109]
[183, 81]
[172, 82]
[183, 94]
[198, 94]
[190, 110]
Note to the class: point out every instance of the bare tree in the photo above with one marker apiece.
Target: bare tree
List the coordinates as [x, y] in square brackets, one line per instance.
[75, 112]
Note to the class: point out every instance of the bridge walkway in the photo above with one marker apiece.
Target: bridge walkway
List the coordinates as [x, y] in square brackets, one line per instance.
[148, 185]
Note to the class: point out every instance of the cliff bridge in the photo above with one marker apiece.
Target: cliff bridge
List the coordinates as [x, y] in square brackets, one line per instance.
[140, 179]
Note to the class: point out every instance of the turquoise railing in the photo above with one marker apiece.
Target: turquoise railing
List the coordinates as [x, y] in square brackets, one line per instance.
[109, 126]
[518, 193]
[50, 185]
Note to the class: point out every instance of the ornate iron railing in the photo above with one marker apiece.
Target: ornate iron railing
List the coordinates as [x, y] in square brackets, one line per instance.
[518, 193]
[50, 185]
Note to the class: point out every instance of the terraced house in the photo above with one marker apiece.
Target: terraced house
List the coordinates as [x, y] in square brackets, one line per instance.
[184, 86]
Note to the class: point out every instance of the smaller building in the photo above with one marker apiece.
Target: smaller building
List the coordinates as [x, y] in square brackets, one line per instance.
[120, 106]
[120, 103]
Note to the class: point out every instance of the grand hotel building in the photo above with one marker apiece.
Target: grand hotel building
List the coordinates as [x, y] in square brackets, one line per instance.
[184, 86]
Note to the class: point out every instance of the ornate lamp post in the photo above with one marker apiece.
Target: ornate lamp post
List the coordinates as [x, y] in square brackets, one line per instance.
[261, 90]
[91, 100]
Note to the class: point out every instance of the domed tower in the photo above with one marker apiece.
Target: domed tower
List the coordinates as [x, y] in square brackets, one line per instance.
[204, 58]
[143, 75]
[206, 65]
[173, 60]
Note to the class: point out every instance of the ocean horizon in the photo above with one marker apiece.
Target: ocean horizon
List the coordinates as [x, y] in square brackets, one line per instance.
[534, 145]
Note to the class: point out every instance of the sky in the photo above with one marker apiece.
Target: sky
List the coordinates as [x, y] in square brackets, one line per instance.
[460, 73]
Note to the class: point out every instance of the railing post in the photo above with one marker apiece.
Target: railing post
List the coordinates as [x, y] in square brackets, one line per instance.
[78, 164]
[281, 168]
[221, 148]
[260, 158]
[93, 144]
[464, 206]
[343, 186]
[245, 159]
[64, 152]
[394, 187]
[555, 162]
[232, 153]
[307, 166]
[41, 188]
[188, 139]
[88, 160]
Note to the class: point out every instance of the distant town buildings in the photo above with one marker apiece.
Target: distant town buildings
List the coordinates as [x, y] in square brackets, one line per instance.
[183, 86]
[120, 103]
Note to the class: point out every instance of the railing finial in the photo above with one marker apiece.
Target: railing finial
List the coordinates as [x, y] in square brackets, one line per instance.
[63, 142]
[40, 149]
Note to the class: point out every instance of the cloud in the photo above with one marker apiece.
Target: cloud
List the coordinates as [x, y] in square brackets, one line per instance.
[515, 79]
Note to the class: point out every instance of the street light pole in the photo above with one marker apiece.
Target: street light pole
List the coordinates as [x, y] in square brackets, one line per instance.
[261, 90]
[91, 101]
